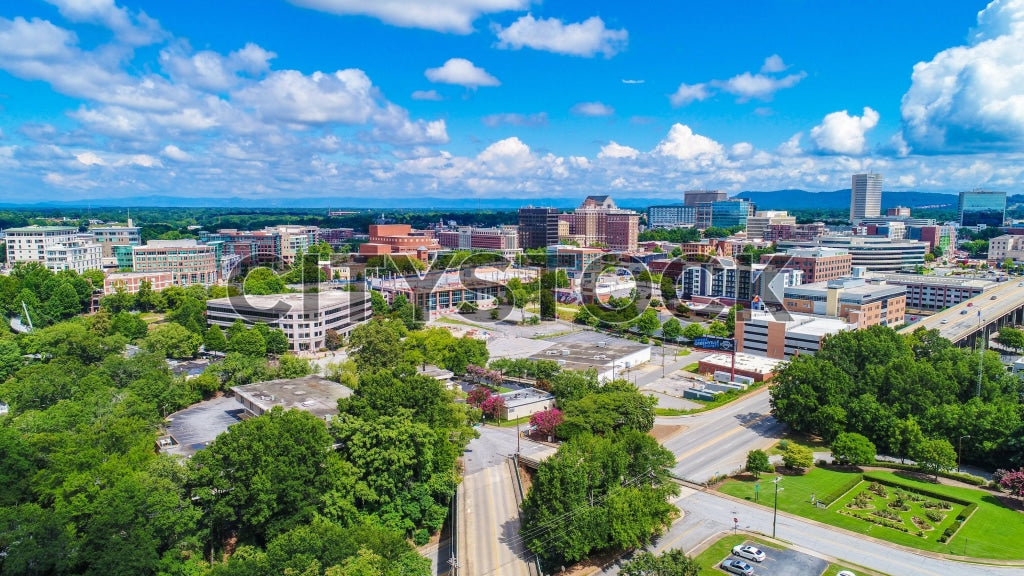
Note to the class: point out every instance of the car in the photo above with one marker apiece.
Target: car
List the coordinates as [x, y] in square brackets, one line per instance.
[845, 573]
[962, 312]
[969, 304]
[749, 552]
[993, 297]
[1019, 284]
[738, 567]
[945, 320]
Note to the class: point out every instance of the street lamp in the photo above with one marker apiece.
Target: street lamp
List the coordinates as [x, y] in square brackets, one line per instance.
[775, 515]
[960, 449]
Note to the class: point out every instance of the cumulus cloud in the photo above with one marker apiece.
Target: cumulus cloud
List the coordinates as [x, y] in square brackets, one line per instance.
[592, 109]
[427, 95]
[773, 64]
[177, 154]
[682, 144]
[587, 38]
[749, 86]
[615, 150]
[687, 93]
[209, 71]
[90, 159]
[841, 133]
[514, 119]
[968, 98]
[461, 72]
[440, 15]
[134, 29]
[291, 96]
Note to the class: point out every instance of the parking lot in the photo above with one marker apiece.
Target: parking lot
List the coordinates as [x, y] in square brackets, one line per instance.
[783, 563]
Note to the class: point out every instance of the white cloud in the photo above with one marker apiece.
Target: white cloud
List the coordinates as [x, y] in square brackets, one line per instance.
[687, 93]
[177, 154]
[461, 72]
[587, 38]
[440, 15]
[90, 159]
[773, 64]
[20, 38]
[143, 160]
[969, 98]
[133, 29]
[209, 71]
[757, 86]
[791, 147]
[682, 144]
[615, 150]
[427, 95]
[592, 109]
[841, 133]
[514, 119]
[290, 96]
[741, 149]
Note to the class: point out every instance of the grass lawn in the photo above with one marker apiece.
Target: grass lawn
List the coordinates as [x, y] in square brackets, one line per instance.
[814, 444]
[525, 421]
[979, 535]
[683, 352]
[692, 367]
[670, 412]
[152, 317]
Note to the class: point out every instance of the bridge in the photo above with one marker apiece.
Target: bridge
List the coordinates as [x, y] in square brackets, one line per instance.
[962, 324]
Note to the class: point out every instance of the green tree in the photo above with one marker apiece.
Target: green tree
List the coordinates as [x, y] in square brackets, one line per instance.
[669, 563]
[376, 344]
[291, 366]
[249, 343]
[693, 331]
[237, 327]
[852, 448]
[757, 462]
[797, 456]
[730, 319]
[548, 309]
[129, 325]
[719, 329]
[277, 341]
[190, 313]
[333, 340]
[615, 406]
[173, 341]
[1011, 337]
[571, 385]
[402, 310]
[648, 322]
[934, 456]
[63, 304]
[671, 329]
[261, 280]
[214, 339]
[379, 304]
[10, 358]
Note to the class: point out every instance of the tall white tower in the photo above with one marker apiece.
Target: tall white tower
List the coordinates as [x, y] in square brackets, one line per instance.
[865, 196]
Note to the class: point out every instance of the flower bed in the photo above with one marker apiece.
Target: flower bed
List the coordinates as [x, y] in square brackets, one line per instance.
[897, 507]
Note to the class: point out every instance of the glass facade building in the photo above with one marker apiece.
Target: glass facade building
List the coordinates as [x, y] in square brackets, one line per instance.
[979, 207]
[730, 213]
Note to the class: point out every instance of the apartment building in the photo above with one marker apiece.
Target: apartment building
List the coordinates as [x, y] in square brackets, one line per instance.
[817, 264]
[77, 255]
[757, 225]
[29, 244]
[110, 236]
[253, 248]
[130, 282]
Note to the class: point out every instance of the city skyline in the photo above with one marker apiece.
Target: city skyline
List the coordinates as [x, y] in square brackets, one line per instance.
[503, 98]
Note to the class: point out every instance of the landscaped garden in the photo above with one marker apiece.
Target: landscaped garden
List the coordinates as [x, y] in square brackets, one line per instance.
[974, 536]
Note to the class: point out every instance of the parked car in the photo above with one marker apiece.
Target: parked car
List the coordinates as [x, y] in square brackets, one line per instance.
[738, 567]
[845, 573]
[749, 552]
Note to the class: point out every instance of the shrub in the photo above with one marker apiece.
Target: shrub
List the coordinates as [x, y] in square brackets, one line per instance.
[838, 492]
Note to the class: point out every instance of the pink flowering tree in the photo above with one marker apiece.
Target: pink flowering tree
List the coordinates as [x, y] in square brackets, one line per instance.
[477, 396]
[1013, 481]
[545, 422]
[493, 406]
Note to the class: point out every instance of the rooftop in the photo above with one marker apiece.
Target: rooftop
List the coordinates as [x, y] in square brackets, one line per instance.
[284, 303]
[193, 428]
[42, 229]
[746, 362]
[525, 396]
[314, 394]
[803, 323]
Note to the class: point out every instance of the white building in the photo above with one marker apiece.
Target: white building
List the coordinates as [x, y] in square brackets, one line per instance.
[29, 244]
[304, 317]
[762, 219]
[110, 236]
[75, 255]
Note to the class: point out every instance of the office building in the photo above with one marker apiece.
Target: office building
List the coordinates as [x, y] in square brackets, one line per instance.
[893, 230]
[671, 216]
[730, 213]
[314, 394]
[439, 293]
[295, 239]
[982, 208]
[109, 236]
[695, 197]
[876, 254]
[1006, 246]
[757, 225]
[253, 248]
[798, 232]
[898, 212]
[817, 264]
[188, 262]
[859, 301]
[772, 336]
[942, 237]
[865, 196]
[304, 317]
[936, 292]
[538, 227]
[336, 237]
[598, 221]
[504, 239]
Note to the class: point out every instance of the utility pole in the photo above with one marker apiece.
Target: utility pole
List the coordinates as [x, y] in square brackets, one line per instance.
[775, 515]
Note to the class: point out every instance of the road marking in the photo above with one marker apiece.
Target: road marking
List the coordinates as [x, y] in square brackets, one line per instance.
[669, 544]
[494, 516]
[722, 437]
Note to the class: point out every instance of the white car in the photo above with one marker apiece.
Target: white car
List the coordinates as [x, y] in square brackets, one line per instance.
[749, 552]
[845, 573]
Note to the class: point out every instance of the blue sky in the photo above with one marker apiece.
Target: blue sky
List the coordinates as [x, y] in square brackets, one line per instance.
[505, 98]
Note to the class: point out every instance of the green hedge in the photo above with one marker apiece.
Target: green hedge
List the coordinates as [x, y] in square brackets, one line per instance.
[922, 491]
[838, 492]
[962, 477]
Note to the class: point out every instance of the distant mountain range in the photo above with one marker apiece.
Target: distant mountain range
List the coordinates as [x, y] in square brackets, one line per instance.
[775, 200]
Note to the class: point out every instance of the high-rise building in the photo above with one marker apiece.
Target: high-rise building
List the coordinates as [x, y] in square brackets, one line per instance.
[982, 207]
[865, 196]
[599, 221]
[671, 216]
[538, 227]
[695, 197]
[730, 213]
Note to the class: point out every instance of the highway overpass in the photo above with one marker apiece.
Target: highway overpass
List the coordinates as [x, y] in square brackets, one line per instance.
[1000, 306]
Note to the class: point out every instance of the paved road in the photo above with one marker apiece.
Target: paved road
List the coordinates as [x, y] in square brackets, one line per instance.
[707, 515]
[489, 525]
[717, 441]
